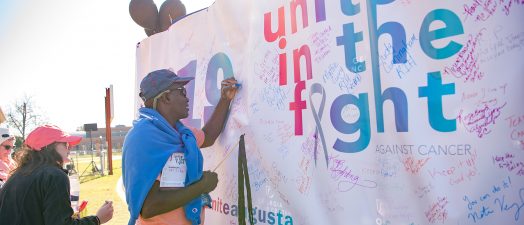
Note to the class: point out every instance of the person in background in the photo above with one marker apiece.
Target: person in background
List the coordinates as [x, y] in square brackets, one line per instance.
[37, 193]
[7, 164]
[162, 163]
[2, 116]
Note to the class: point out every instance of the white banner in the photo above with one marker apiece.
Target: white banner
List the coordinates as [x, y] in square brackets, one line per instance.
[359, 112]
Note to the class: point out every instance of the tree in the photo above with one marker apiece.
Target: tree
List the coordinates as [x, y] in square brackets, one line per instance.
[23, 116]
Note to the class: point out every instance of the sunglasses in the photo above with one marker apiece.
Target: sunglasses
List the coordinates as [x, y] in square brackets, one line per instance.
[8, 147]
[182, 90]
[5, 135]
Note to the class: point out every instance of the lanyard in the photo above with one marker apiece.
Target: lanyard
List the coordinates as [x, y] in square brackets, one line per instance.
[243, 175]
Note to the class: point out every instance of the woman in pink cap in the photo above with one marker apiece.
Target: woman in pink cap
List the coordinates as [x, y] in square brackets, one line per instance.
[38, 190]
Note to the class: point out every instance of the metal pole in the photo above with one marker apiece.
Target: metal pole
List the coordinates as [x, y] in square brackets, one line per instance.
[91, 141]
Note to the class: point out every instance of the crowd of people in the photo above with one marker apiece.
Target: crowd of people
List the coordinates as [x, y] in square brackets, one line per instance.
[162, 164]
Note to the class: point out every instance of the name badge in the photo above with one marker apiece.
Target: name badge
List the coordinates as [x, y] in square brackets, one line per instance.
[174, 171]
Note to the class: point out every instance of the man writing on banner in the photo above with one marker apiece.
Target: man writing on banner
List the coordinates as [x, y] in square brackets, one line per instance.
[162, 163]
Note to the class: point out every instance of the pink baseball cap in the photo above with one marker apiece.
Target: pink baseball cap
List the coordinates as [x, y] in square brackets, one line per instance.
[48, 134]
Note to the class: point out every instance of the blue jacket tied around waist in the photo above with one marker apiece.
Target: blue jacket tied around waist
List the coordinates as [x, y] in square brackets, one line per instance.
[147, 147]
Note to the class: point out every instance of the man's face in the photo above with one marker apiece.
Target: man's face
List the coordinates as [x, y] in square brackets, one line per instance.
[179, 103]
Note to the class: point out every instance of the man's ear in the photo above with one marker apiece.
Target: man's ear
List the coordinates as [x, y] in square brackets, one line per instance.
[166, 97]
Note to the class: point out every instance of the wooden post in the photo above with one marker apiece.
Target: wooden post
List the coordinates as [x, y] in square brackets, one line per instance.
[108, 131]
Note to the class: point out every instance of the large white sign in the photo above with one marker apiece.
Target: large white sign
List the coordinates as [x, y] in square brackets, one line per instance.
[360, 112]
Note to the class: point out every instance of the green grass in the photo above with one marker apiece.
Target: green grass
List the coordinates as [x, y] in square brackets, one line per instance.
[97, 189]
[85, 170]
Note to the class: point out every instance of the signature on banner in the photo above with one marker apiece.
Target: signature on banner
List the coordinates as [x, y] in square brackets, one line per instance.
[386, 167]
[274, 96]
[516, 123]
[460, 172]
[508, 161]
[494, 201]
[346, 81]
[466, 65]
[482, 10]
[321, 42]
[266, 68]
[423, 190]
[413, 165]
[480, 120]
[478, 96]
[387, 58]
[500, 44]
[438, 212]
[346, 178]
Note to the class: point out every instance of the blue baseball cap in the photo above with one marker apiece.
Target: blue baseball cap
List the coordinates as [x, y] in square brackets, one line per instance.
[158, 81]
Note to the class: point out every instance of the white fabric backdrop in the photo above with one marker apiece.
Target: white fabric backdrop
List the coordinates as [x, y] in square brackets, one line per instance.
[455, 157]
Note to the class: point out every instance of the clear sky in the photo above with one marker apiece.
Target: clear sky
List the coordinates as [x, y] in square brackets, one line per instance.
[64, 53]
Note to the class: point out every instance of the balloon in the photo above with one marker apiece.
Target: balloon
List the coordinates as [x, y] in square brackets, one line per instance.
[144, 13]
[170, 11]
[149, 32]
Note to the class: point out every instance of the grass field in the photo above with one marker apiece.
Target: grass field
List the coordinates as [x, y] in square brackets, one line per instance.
[96, 189]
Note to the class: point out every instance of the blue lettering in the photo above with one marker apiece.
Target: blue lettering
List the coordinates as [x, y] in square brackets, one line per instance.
[453, 27]
[434, 92]
[349, 39]
[219, 61]
[348, 8]
[362, 124]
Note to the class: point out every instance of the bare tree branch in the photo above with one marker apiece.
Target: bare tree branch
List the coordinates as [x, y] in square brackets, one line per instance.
[23, 116]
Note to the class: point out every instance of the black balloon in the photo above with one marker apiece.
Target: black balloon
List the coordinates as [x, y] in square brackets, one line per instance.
[149, 32]
[144, 13]
[170, 10]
